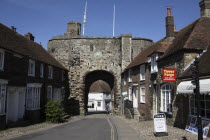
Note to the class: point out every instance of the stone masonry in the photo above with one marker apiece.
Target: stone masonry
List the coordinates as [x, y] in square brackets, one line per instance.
[83, 55]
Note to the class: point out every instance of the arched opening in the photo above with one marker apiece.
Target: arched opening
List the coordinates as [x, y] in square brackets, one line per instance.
[99, 91]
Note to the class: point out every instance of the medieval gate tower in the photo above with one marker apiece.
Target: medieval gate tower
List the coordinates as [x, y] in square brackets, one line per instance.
[94, 58]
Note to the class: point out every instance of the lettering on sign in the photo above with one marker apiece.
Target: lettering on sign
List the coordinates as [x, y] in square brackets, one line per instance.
[160, 127]
[169, 74]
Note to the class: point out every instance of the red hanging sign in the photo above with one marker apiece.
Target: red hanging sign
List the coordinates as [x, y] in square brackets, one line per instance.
[169, 74]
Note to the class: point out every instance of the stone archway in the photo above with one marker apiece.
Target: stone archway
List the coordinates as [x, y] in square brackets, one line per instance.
[97, 75]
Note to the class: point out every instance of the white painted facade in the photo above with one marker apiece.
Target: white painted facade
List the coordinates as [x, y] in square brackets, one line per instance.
[98, 101]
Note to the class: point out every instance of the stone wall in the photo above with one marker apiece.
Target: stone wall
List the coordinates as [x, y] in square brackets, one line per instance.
[82, 55]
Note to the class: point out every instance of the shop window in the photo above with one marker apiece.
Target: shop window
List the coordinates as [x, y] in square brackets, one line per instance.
[142, 94]
[2, 98]
[33, 98]
[166, 91]
[50, 72]
[31, 68]
[49, 93]
[142, 72]
[1, 60]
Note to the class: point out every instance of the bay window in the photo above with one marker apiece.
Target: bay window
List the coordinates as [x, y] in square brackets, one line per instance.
[33, 96]
[166, 91]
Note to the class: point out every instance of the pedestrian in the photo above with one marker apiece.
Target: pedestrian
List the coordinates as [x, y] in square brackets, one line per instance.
[107, 108]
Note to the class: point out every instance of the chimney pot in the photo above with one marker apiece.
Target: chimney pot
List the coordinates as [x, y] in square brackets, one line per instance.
[13, 28]
[168, 11]
[29, 36]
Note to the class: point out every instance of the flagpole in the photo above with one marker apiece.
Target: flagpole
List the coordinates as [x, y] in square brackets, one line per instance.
[84, 22]
[114, 22]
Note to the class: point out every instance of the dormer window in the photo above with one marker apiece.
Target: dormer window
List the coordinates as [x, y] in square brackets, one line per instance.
[1, 59]
[142, 72]
[129, 75]
[31, 68]
[154, 67]
[50, 72]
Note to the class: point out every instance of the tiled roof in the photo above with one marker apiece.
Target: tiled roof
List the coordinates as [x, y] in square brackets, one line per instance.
[143, 56]
[204, 67]
[195, 36]
[15, 42]
[100, 87]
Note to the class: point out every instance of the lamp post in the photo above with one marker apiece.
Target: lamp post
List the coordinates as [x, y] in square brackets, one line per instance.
[195, 81]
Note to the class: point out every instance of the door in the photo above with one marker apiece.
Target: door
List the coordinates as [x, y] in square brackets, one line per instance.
[135, 97]
[21, 105]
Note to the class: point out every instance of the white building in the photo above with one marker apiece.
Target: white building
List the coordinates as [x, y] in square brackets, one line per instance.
[99, 96]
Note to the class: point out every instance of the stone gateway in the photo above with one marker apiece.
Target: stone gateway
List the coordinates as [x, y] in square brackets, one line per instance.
[89, 59]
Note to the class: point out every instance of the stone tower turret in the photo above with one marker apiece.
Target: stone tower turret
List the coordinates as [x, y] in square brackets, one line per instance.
[73, 29]
[205, 8]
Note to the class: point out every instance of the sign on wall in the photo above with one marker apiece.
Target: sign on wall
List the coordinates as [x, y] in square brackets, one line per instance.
[169, 74]
[160, 126]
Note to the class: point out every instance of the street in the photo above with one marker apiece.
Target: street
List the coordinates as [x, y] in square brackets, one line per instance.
[84, 129]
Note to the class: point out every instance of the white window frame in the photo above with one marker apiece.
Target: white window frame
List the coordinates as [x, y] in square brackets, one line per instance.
[130, 93]
[50, 72]
[154, 67]
[166, 91]
[129, 75]
[42, 70]
[142, 95]
[49, 93]
[2, 59]
[33, 94]
[142, 72]
[3, 94]
[31, 67]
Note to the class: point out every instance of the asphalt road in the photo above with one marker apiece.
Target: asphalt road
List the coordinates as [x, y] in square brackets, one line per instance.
[85, 129]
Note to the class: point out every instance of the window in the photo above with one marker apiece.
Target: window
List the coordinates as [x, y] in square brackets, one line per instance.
[99, 104]
[204, 105]
[33, 97]
[41, 70]
[57, 94]
[1, 60]
[63, 75]
[166, 91]
[130, 93]
[50, 72]
[154, 63]
[49, 93]
[129, 75]
[2, 98]
[142, 94]
[31, 68]
[142, 72]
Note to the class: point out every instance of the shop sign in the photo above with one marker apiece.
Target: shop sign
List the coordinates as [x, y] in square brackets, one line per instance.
[192, 126]
[160, 127]
[169, 74]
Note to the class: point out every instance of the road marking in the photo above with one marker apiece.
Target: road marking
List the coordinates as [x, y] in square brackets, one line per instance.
[112, 128]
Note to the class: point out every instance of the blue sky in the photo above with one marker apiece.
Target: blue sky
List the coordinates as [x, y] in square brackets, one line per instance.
[141, 18]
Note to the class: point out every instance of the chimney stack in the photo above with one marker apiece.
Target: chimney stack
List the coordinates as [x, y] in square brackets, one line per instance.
[169, 24]
[29, 36]
[205, 8]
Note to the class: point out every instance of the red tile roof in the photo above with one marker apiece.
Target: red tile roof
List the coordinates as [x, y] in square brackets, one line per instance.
[195, 36]
[11, 40]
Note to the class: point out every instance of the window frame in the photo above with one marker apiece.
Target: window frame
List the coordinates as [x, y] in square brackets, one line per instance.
[166, 100]
[50, 72]
[31, 71]
[142, 96]
[154, 67]
[41, 70]
[142, 72]
[3, 56]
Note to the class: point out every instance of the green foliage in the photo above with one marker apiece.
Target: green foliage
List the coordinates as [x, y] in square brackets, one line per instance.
[54, 111]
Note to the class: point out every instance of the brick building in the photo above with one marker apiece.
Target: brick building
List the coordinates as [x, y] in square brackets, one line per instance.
[29, 77]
